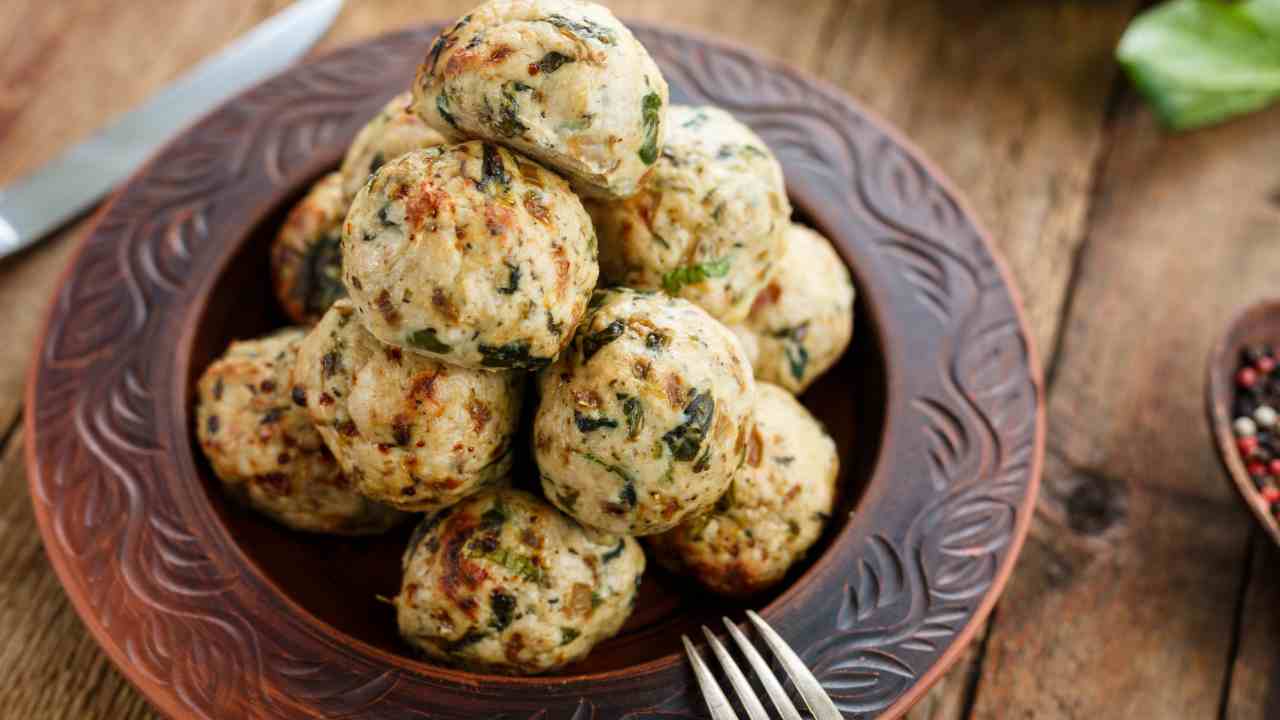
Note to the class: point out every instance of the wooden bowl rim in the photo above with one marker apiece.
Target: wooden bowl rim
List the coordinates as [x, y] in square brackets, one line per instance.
[1219, 395]
[902, 702]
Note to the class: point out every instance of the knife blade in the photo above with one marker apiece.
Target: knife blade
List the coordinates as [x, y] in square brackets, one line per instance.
[34, 205]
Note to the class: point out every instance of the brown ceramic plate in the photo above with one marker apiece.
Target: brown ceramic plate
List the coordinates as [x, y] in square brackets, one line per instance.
[213, 612]
[1255, 325]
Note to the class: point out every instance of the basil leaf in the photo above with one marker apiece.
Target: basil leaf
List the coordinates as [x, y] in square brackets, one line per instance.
[1199, 62]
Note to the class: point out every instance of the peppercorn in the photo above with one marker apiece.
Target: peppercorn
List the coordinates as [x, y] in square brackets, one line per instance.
[1244, 426]
[1247, 377]
[1247, 445]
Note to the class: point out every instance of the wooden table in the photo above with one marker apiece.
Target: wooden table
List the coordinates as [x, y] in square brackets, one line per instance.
[1144, 590]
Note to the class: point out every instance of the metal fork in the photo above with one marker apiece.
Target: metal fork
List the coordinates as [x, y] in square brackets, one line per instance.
[810, 690]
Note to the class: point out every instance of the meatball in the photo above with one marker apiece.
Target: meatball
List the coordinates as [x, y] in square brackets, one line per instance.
[264, 449]
[470, 254]
[561, 81]
[709, 225]
[410, 431]
[306, 257]
[501, 582]
[773, 512]
[395, 131]
[802, 322]
[644, 418]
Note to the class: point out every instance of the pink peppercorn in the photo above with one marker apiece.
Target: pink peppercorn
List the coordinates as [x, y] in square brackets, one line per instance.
[1247, 445]
[1247, 377]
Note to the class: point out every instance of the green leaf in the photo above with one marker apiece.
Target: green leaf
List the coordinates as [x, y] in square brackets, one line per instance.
[427, 340]
[675, 280]
[552, 62]
[650, 117]
[1202, 61]
[514, 355]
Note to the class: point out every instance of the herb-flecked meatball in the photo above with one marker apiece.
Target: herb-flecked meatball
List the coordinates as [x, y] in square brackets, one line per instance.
[773, 512]
[709, 224]
[802, 322]
[644, 418]
[502, 582]
[306, 257]
[561, 81]
[264, 449]
[470, 254]
[393, 132]
[410, 431]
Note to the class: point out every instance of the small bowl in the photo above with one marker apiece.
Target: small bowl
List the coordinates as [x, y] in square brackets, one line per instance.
[1254, 325]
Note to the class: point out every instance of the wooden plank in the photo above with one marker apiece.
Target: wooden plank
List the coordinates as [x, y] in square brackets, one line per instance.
[1008, 99]
[52, 668]
[1254, 690]
[1124, 602]
[65, 69]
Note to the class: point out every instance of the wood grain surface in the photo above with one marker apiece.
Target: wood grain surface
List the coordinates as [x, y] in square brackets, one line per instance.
[1143, 592]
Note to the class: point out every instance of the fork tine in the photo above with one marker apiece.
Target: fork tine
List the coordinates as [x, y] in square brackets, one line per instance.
[810, 689]
[750, 702]
[717, 703]
[771, 685]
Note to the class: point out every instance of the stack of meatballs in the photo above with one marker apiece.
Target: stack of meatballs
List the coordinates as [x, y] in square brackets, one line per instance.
[534, 224]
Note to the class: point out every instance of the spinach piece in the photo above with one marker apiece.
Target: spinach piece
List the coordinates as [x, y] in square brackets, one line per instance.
[586, 423]
[699, 119]
[508, 122]
[650, 108]
[686, 438]
[568, 635]
[797, 359]
[552, 62]
[1199, 62]
[584, 29]
[513, 280]
[514, 355]
[797, 354]
[503, 605]
[615, 553]
[616, 470]
[675, 280]
[592, 343]
[442, 106]
[703, 462]
[728, 150]
[426, 339]
[493, 169]
[633, 409]
[493, 518]
[472, 637]
[321, 284]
